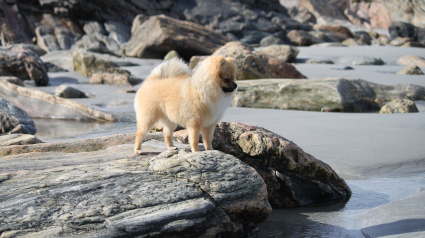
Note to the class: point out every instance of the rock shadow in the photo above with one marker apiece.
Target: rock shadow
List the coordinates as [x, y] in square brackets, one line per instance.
[395, 228]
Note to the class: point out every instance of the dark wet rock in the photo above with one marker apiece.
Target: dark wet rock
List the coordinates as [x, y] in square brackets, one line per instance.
[114, 79]
[401, 29]
[411, 70]
[319, 61]
[253, 37]
[88, 63]
[52, 68]
[341, 31]
[66, 91]
[360, 60]
[363, 37]
[399, 106]
[38, 104]
[24, 64]
[341, 95]
[100, 188]
[14, 120]
[251, 65]
[284, 52]
[294, 178]
[161, 34]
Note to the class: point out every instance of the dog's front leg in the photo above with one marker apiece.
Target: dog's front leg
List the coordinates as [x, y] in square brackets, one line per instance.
[194, 132]
[207, 136]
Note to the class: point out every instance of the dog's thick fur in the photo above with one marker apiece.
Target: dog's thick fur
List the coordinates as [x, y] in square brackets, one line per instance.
[173, 95]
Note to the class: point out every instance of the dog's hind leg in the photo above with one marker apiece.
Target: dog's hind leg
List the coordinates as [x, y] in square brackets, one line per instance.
[143, 127]
[207, 136]
[168, 129]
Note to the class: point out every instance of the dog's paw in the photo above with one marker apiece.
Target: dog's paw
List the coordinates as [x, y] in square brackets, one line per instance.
[138, 152]
[173, 148]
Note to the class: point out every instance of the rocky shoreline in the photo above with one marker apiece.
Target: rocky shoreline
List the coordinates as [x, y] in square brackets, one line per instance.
[83, 62]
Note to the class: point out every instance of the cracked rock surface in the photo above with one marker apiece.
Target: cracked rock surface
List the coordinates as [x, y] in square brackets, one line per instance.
[48, 190]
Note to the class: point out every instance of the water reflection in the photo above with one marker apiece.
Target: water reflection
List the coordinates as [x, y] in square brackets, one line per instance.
[50, 130]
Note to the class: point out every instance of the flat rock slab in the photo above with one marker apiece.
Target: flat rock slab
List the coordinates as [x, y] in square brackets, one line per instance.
[112, 192]
[337, 94]
[38, 104]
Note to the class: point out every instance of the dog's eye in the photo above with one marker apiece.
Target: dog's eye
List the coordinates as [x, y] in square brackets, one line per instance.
[226, 80]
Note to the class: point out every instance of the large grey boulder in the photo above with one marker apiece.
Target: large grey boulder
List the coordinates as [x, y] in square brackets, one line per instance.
[338, 94]
[22, 63]
[257, 65]
[98, 188]
[161, 34]
[294, 178]
[14, 120]
[39, 104]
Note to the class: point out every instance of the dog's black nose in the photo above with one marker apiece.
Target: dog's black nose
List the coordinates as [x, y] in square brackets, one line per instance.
[230, 89]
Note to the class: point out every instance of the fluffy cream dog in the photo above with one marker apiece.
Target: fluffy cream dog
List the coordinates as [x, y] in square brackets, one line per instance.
[173, 95]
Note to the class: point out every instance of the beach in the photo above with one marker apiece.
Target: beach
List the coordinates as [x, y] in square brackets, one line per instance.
[381, 156]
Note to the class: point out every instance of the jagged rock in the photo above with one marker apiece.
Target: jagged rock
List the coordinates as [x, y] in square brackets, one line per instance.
[363, 37]
[38, 104]
[87, 64]
[34, 48]
[251, 65]
[303, 38]
[24, 64]
[399, 106]
[161, 34]
[293, 177]
[341, 95]
[411, 70]
[360, 60]
[114, 79]
[399, 41]
[412, 60]
[50, 67]
[341, 31]
[66, 91]
[14, 120]
[176, 193]
[284, 52]
[56, 34]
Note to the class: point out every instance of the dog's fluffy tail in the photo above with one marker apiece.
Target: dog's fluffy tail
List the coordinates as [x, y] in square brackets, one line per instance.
[170, 68]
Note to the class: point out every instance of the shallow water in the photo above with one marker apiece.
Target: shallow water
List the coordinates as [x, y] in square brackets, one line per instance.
[326, 221]
[340, 220]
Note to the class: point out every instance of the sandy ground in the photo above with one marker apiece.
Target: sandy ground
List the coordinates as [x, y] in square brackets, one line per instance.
[380, 156]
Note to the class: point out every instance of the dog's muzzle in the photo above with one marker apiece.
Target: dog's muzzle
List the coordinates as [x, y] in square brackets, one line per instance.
[230, 89]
